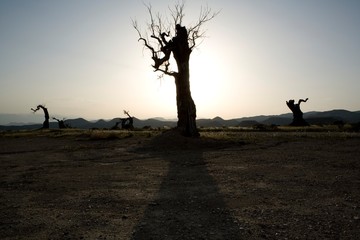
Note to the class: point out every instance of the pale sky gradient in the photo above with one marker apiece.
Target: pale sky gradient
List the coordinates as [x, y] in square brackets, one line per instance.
[82, 58]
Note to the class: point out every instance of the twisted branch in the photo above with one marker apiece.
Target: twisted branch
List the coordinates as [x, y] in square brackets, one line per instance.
[161, 48]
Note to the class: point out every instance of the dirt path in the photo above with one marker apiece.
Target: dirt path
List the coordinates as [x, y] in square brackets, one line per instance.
[256, 186]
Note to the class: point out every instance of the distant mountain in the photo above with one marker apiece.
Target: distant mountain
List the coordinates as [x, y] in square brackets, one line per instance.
[340, 115]
[155, 123]
[216, 122]
[326, 117]
[79, 123]
[255, 118]
[21, 119]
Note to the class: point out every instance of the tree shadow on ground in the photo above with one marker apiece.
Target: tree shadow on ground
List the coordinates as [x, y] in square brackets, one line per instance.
[188, 204]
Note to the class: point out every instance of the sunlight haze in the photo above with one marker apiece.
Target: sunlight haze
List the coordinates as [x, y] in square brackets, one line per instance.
[83, 59]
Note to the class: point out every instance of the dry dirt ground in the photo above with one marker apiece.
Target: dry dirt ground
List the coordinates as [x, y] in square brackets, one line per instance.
[224, 185]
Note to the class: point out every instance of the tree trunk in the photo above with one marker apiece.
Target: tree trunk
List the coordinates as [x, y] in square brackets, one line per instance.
[298, 119]
[46, 113]
[186, 108]
[46, 124]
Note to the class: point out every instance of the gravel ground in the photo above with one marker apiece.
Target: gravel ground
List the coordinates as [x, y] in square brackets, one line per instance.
[230, 185]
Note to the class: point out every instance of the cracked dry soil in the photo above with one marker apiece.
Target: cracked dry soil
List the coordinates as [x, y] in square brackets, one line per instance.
[256, 186]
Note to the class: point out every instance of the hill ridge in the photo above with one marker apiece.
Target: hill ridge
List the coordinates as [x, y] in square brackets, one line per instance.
[313, 117]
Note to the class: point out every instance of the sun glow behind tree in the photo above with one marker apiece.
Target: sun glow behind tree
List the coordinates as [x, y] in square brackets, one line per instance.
[80, 58]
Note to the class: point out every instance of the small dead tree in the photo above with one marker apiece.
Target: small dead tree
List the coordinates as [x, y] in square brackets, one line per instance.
[164, 40]
[46, 113]
[127, 123]
[61, 123]
[298, 119]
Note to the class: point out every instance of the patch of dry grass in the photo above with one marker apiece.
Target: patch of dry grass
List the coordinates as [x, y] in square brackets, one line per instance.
[96, 134]
[233, 134]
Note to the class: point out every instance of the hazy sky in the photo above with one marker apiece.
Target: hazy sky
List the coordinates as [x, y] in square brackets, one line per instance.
[82, 58]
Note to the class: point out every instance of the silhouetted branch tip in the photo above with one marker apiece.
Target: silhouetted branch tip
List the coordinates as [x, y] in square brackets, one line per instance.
[162, 47]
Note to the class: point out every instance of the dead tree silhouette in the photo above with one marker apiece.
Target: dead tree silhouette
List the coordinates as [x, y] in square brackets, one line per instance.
[164, 40]
[61, 123]
[46, 113]
[298, 119]
[126, 123]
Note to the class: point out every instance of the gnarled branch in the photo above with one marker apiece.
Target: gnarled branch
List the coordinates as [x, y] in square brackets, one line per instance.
[161, 48]
[302, 100]
[164, 47]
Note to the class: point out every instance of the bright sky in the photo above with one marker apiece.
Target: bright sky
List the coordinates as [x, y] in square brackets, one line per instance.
[82, 58]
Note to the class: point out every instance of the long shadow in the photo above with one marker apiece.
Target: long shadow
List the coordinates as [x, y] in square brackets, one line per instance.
[188, 204]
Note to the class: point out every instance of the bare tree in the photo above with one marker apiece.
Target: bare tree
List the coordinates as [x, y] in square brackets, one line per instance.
[165, 39]
[126, 123]
[298, 119]
[46, 113]
[61, 123]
